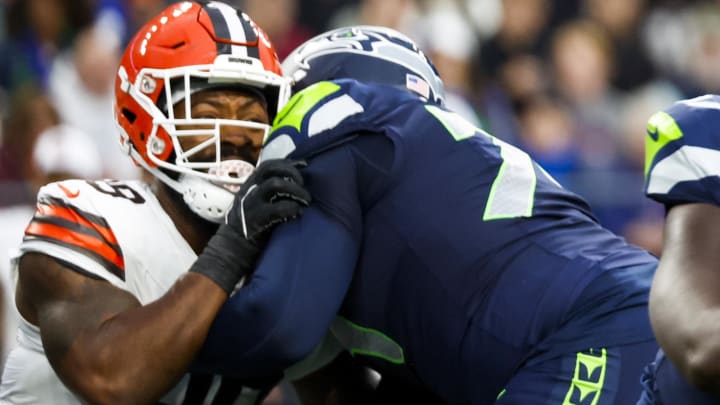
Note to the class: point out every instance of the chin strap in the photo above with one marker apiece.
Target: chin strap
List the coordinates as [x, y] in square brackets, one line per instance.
[211, 202]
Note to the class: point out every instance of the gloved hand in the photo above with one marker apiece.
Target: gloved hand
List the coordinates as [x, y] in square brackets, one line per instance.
[273, 194]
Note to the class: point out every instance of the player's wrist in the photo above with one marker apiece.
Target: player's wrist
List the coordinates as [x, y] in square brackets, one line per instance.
[227, 258]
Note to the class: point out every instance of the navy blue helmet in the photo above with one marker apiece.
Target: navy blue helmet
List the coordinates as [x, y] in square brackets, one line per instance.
[368, 54]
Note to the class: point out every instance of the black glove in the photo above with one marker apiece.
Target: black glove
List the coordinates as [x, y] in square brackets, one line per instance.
[273, 194]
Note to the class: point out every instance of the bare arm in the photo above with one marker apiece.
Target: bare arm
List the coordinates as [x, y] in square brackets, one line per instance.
[685, 296]
[107, 347]
[102, 343]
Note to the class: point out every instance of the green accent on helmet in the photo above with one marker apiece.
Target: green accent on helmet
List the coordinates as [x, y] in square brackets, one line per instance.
[661, 130]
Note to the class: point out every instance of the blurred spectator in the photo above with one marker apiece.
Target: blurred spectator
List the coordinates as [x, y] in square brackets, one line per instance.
[507, 67]
[449, 40]
[704, 50]
[30, 114]
[316, 14]
[81, 85]
[523, 29]
[622, 20]
[547, 133]
[582, 63]
[38, 31]
[684, 43]
[284, 29]
[138, 12]
[523, 76]
[62, 152]
[397, 14]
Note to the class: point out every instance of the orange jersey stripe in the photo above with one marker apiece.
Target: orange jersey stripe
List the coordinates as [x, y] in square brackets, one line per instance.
[87, 242]
[72, 216]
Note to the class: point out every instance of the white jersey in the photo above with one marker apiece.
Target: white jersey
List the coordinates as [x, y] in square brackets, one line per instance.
[115, 231]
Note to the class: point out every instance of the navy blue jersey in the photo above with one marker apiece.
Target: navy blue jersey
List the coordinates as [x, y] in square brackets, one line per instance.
[683, 153]
[449, 256]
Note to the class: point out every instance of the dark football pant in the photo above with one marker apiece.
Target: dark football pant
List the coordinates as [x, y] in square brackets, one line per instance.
[597, 376]
[664, 385]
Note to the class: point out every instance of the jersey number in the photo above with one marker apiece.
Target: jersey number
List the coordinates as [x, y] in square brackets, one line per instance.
[117, 189]
[513, 191]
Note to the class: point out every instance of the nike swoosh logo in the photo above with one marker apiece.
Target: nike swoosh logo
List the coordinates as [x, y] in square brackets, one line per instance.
[653, 134]
[69, 193]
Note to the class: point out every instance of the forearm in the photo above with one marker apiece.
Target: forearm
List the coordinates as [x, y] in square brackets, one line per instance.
[285, 309]
[687, 327]
[684, 299]
[135, 356]
[264, 328]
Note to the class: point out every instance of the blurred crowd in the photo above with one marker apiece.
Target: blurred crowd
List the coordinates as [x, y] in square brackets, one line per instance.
[573, 82]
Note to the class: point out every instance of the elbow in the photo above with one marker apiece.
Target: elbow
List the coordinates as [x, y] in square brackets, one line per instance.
[700, 365]
[298, 347]
[293, 343]
[100, 390]
[276, 340]
[287, 336]
[690, 341]
[696, 356]
[100, 383]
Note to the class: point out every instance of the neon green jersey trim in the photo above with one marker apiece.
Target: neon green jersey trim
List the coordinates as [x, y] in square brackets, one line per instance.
[512, 193]
[453, 123]
[298, 106]
[589, 363]
[663, 127]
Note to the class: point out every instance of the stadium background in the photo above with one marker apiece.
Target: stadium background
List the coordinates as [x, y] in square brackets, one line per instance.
[573, 82]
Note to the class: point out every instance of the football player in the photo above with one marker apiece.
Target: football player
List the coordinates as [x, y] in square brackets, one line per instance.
[682, 172]
[110, 312]
[438, 255]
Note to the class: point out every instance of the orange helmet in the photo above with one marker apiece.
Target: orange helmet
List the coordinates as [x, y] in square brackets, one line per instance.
[192, 46]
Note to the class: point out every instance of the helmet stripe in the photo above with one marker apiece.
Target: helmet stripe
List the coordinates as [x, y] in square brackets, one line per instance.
[220, 27]
[228, 26]
[250, 35]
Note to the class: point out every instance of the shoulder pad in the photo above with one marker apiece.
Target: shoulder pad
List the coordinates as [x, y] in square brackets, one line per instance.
[329, 113]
